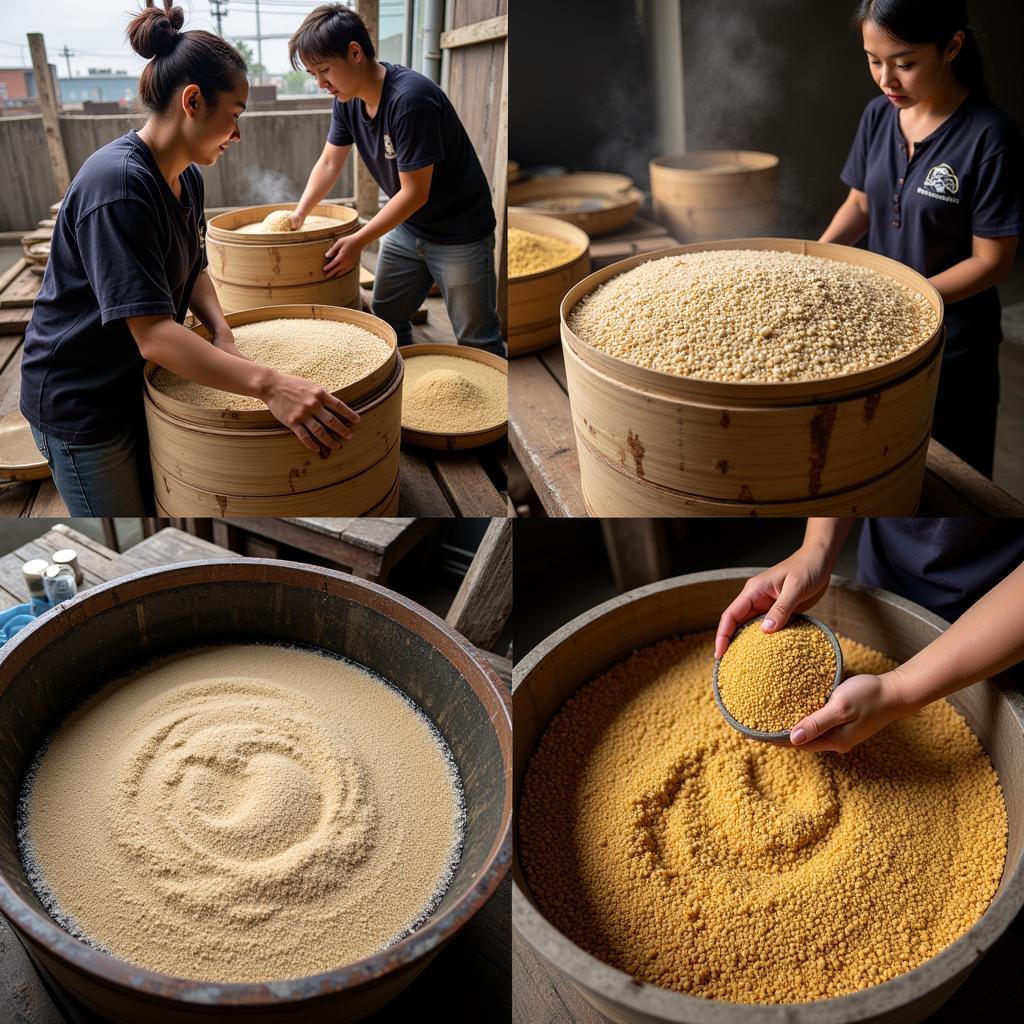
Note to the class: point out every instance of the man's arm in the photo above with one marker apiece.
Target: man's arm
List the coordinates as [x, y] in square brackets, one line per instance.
[322, 178]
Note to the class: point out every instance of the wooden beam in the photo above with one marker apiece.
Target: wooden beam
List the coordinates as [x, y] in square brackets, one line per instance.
[366, 188]
[48, 108]
[499, 190]
[478, 32]
[484, 601]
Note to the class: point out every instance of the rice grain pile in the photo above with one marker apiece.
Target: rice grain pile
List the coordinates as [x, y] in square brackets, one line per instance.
[569, 204]
[745, 315]
[451, 395]
[280, 220]
[669, 846]
[770, 681]
[243, 814]
[530, 252]
[327, 352]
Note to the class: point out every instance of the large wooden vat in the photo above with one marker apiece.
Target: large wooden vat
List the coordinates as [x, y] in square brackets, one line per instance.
[216, 462]
[615, 201]
[715, 193]
[282, 268]
[557, 667]
[58, 661]
[652, 443]
[533, 299]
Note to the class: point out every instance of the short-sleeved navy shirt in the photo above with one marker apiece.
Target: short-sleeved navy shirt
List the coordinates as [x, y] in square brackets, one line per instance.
[416, 126]
[966, 178]
[124, 245]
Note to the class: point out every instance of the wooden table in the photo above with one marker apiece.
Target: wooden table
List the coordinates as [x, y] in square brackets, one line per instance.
[472, 972]
[543, 440]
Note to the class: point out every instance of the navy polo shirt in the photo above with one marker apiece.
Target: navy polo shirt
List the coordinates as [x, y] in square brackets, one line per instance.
[944, 564]
[123, 245]
[964, 179]
[416, 126]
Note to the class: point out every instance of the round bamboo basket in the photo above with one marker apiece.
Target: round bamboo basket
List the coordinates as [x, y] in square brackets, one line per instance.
[217, 462]
[614, 200]
[548, 676]
[467, 438]
[279, 268]
[653, 443]
[715, 193]
[533, 299]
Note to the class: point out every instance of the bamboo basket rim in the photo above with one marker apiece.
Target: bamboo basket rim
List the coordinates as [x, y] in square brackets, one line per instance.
[352, 394]
[460, 438]
[218, 230]
[753, 160]
[606, 181]
[543, 224]
[629, 202]
[756, 392]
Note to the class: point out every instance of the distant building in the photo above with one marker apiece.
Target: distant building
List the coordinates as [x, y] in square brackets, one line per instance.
[101, 85]
[18, 86]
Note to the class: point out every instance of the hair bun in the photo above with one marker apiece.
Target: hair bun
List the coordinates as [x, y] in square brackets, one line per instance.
[154, 31]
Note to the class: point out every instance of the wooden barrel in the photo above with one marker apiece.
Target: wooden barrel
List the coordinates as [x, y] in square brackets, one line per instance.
[652, 443]
[533, 299]
[549, 675]
[615, 200]
[216, 462]
[280, 268]
[715, 193]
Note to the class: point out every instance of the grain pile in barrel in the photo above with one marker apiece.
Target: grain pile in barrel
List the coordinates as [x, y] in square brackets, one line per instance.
[451, 395]
[666, 844]
[753, 315]
[280, 220]
[770, 681]
[530, 252]
[327, 352]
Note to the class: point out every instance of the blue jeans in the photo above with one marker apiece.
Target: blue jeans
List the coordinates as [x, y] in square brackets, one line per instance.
[102, 478]
[407, 266]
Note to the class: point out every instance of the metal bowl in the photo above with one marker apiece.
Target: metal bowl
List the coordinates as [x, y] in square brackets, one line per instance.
[51, 666]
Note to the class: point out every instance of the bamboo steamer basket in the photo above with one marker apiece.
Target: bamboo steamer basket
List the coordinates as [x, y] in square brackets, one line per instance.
[715, 193]
[533, 299]
[558, 666]
[617, 201]
[652, 443]
[217, 462]
[54, 664]
[467, 438]
[279, 268]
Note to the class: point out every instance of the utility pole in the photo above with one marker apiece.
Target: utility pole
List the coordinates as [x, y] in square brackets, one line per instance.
[219, 11]
[67, 55]
[259, 42]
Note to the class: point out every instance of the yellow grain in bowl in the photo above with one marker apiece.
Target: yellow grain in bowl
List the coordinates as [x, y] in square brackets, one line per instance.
[530, 252]
[452, 395]
[327, 352]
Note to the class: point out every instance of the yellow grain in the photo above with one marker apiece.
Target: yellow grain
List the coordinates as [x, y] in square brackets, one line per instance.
[451, 395]
[530, 252]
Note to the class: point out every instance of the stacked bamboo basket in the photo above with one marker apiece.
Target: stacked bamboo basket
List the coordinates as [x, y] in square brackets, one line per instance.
[715, 193]
[280, 268]
[533, 299]
[615, 201]
[655, 444]
[216, 462]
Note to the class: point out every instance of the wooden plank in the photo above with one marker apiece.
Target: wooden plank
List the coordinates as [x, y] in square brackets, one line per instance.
[365, 186]
[14, 321]
[542, 993]
[479, 32]
[48, 109]
[986, 497]
[637, 550]
[419, 492]
[21, 291]
[166, 547]
[19, 267]
[499, 191]
[554, 359]
[483, 603]
[23, 996]
[542, 437]
[467, 486]
[47, 502]
[16, 499]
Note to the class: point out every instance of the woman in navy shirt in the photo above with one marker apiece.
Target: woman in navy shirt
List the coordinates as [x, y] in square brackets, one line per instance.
[935, 182]
[128, 258]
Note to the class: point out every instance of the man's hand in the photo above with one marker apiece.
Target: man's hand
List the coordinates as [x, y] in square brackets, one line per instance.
[225, 341]
[296, 220]
[343, 255]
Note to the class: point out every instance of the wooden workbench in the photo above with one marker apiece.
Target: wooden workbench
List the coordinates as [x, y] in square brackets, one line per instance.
[471, 975]
[542, 438]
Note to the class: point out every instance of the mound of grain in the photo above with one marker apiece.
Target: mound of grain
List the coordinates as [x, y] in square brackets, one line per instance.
[745, 315]
[671, 847]
[327, 352]
[451, 395]
[279, 220]
[529, 252]
[570, 204]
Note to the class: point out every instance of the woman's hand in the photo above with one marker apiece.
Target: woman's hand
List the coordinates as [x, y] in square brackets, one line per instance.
[857, 709]
[318, 419]
[225, 341]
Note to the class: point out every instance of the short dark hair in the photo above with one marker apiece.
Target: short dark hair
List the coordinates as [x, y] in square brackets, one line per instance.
[327, 31]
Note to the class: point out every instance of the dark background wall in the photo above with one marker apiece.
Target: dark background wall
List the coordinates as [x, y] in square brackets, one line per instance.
[786, 76]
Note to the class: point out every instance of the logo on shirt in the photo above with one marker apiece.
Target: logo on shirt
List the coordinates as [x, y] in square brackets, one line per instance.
[389, 147]
[201, 232]
[942, 183]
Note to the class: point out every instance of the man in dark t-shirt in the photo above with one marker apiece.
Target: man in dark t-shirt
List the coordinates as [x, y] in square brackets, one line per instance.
[438, 223]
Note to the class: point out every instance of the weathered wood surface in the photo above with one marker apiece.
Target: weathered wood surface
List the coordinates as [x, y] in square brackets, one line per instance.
[483, 603]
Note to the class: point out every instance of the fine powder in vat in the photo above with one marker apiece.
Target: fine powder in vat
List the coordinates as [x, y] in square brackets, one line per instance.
[243, 814]
[327, 352]
[452, 395]
[666, 844]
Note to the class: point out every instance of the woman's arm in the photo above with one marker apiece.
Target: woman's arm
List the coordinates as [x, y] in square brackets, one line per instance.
[322, 179]
[988, 638]
[989, 264]
[850, 223]
[204, 303]
[314, 415]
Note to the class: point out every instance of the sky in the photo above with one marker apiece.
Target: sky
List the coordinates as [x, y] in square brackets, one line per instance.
[94, 30]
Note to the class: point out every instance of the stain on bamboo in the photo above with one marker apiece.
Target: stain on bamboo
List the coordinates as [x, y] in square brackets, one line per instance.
[637, 451]
[821, 432]
[871, 405]
[722, 466]
[725, 420]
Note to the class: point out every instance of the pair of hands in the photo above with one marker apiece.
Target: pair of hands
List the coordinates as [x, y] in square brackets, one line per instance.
[858, 707]
[343, 254]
